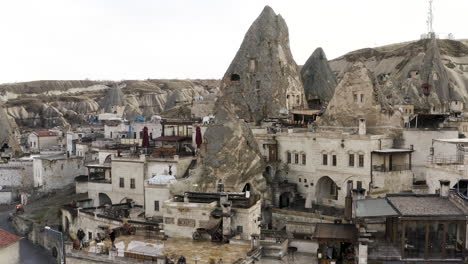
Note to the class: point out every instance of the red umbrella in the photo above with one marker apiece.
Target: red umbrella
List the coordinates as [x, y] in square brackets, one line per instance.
[145, 142]
[198, 137]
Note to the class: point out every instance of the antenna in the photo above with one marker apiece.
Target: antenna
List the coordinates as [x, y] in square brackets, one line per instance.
[430, 18]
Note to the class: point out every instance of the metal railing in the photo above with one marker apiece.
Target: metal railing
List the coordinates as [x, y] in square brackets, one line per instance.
[446, 159]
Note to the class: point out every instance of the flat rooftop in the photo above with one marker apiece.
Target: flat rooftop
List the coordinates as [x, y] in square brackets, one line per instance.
[201, 251]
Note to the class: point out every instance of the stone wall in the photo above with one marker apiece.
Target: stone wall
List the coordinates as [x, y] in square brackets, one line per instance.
[55, 173]
[182, 219]
[421, 139]
[297, 221]
[249, 220]
[17, 174]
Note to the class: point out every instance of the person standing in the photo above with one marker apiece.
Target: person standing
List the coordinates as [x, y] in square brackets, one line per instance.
[80, 235]
[112, 237]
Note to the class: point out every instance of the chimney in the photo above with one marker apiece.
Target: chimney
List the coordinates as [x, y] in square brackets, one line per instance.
[362, 126]
[220, 186]
[444, 188]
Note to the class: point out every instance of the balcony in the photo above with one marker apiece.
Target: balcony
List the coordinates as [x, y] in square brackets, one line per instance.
[396, 167]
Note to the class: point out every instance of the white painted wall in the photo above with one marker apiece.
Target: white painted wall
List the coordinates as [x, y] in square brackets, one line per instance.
[10, 254]
[421, 139]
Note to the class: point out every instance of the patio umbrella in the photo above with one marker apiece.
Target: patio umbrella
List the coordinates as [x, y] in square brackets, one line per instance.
[198, 137]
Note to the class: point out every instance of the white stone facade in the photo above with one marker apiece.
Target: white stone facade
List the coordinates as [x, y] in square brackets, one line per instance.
[55, 172]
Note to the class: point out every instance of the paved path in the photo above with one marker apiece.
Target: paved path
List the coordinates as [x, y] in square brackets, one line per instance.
[29, 253]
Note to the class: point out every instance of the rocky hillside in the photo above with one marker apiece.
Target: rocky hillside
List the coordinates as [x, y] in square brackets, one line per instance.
[45, 104]
[427, 73]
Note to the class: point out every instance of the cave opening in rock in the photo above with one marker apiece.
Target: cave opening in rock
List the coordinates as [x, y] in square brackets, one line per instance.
[235, 77]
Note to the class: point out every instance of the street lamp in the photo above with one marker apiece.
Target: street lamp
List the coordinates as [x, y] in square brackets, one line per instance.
[61, 239]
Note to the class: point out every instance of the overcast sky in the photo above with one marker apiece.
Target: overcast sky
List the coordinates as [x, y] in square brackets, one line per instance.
[139, 39]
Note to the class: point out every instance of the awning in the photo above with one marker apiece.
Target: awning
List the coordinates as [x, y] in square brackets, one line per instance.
[335, 232]
[390, 151]
[374, 208]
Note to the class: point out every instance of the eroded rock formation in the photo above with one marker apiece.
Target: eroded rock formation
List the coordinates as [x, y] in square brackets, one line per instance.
[229, 154]
[402, 70]
[358, 97]
[46, 104]
[319, 80]
[263, 80]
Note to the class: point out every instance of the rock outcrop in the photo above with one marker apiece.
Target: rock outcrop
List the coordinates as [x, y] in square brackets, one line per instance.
[358, 97]
[319, 80]
[263, 80]
[404, 70]
[229, 154]
[8, 131]
[46, 104]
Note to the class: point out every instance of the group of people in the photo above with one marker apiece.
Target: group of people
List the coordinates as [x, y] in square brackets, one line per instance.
[80, 234]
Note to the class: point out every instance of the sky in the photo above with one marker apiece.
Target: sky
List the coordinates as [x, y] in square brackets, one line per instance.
[193, 39]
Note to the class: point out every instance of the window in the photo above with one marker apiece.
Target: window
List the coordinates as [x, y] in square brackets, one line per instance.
[334, 160]
[351, 160]
[362, 98]
[300, 180]
[324, 159]
[132, 183]
[121, 183]
[288, 157]
[361, 160]
[305, 180]
[90, 236]
[61, 166]
[240, 229]
[296, 158]
[304, 159]
[355, 98]
[156, 206]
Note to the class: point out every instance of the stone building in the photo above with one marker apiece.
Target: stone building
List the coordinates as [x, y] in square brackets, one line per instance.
[225, 214]
[42, 140]
[123, 178]
[56, 171]
[322, 164]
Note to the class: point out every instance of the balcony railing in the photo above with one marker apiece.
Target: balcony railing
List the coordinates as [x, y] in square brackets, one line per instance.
[446, 159]
[396, 167]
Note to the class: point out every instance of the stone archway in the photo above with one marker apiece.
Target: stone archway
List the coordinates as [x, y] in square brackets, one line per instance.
[285, 199]
[326, 189]
[104, 199]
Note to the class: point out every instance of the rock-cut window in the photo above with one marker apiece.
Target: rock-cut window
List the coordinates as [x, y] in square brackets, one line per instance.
[235, 77]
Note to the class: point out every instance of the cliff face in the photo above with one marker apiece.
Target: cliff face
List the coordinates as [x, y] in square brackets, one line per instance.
[46, 104]
[318, 78]
[263, 80]
[358, 97]
[403, 70]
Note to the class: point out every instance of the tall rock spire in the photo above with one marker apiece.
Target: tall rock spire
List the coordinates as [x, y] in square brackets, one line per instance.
[263, 80]
[318, 78]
